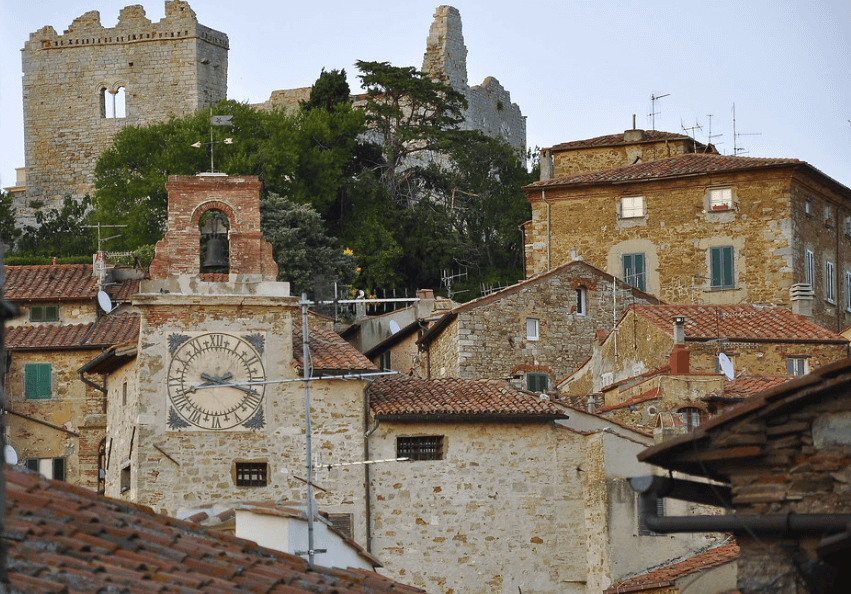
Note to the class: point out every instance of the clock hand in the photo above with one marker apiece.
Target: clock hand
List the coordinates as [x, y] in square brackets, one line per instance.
[216, 380]
[213, 380]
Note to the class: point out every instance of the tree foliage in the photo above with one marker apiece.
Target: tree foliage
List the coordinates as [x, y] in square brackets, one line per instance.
[59, 232]
[8, 232]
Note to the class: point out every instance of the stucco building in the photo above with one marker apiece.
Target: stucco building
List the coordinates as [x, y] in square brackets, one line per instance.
[699, 228]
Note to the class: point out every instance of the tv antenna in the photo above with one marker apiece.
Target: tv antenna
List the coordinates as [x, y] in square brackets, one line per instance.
[736, 148]
[691, 130]
[710, 135]
[447, 280]
[100, 226]
[653, 100]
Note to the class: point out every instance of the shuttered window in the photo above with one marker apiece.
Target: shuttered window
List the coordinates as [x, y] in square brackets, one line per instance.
[721, 264]
[37, 381]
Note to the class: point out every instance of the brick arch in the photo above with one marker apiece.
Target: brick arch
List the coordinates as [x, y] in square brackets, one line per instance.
[224, 207]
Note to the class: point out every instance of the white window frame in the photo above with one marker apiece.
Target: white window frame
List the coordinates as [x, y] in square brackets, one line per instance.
[829, 281]
[720, 199]
[797, 366]
[828, 215]
[632, 207]
[533, 329]
[810, 268]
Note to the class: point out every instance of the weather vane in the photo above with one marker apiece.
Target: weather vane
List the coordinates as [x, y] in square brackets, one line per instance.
[215, 120]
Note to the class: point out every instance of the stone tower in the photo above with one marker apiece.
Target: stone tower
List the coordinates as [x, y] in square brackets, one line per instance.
[82, 87]
[489, 106]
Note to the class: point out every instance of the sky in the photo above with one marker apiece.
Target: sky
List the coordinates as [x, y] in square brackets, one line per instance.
[577, 68]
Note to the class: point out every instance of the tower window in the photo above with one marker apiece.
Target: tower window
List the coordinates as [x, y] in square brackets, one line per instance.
[252, 474]
[113, 104]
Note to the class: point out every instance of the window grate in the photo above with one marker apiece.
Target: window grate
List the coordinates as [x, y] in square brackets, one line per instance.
[251, 474]
[420, 448]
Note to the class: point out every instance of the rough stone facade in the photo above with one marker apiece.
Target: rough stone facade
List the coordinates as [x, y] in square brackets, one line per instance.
[169, 68]
[488, 337]
[767, 227]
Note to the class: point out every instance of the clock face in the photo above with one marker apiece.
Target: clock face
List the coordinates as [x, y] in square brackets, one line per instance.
[209, 383]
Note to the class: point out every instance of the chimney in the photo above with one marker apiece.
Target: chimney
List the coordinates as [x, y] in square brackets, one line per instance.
[425, 293]
[634, 135]
[679, 354]
[546, 163]
[801, 295]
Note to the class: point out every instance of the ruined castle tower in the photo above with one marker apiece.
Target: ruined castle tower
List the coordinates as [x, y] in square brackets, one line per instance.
[82, 87]
[489, 106]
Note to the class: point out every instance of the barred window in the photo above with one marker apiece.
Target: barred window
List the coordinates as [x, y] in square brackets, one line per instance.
[428, 447]
[252, 474]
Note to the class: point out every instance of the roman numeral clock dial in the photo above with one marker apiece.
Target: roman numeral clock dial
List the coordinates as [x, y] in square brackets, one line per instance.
[211, 382]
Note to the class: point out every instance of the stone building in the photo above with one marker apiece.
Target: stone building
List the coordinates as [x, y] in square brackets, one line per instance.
[55, 422]
[781, 464]
[489, 106]
[648, 368]
[702, 228]
[83, 86]
[533, 333]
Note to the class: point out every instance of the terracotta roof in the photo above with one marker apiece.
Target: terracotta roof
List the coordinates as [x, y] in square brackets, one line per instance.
[329, 352]
[618, 139]
[739, 322]
[61, 282]
[687, 164]
[106, 331]
[417, 397]
[665, 576]
[63, 538]
[750, 384]
[52, 282]
[650, 394]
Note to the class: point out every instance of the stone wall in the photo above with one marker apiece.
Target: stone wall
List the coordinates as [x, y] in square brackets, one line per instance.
[767, 230]
[488, 337]
[574, 162]
[169, 68]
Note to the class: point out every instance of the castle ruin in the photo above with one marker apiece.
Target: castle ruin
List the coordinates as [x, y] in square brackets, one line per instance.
[82, 87]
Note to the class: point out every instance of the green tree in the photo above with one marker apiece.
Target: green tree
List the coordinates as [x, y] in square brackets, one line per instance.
[329, 90]
[59, 232]
[8, 232]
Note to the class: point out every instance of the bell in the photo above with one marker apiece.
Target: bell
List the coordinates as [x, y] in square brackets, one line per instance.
[214, 256]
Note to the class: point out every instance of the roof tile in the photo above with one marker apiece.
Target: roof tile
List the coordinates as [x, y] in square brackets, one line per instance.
[404, 396]
[104, 332]
[618, 139]
[61, 282]
[329, 352]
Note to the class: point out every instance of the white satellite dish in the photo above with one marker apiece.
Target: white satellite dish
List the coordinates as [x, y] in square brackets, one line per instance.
[394, 326]
[104, 301]
[726, 366]
[10, 455]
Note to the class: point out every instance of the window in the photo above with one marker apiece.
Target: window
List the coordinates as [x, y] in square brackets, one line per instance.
[721, 267]
[848, 225]
[532, 329]
[251, 474]
[52, 468]
[828, 215]
[37, 381]
[342, 523]
[580, 301]
[44, 313]
[692, 417]
[384, 361]
[808, 207]
[810, 268]
[633, 271]
[829, 282]
[796, 365]
[537, 382]
[112, 104]
[720, 199]
[643, 530]
[847, 290]
[420, 448]
[632, 207]
[124, 394]
[125, 479]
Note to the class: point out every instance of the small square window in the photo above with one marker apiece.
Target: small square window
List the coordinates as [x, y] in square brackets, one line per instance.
[796, 366]
[720, 199]
[532, 329]
[252, 474]
[44, 313]
[632, 207]
[537, 382]
[429, 447]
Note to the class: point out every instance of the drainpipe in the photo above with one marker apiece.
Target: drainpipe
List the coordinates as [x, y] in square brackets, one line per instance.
[367, 495]
[549, 231]
[652, 488]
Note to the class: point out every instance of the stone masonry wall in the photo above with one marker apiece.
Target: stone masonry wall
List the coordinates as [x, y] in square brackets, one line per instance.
[168, 68]
[766, 229]
[573, 162]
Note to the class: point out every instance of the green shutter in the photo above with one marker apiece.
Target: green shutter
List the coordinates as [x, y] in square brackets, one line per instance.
[37, 380]
[721, 264]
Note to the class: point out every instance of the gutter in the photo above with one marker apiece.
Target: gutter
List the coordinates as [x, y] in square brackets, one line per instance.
[653, 488]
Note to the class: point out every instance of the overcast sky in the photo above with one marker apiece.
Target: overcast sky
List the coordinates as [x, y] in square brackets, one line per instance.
[577, 69]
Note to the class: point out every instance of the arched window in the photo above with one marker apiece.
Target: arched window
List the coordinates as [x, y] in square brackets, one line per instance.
[112, 103]
[692, 416]
[214, 252]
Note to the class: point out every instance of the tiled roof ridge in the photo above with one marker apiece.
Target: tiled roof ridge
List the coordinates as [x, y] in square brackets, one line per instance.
[684, 164]
[616, 139]
[105, 331]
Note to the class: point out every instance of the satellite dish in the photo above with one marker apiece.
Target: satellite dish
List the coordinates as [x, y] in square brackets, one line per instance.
[726, 366]
[10, 455]
[394, 326]
[104, 301]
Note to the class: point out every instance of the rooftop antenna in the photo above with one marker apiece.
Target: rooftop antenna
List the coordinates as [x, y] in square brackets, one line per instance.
[215, 121]
[710, 135]
[447, 280]
[736, 148]
[653, 99]
[691, 131]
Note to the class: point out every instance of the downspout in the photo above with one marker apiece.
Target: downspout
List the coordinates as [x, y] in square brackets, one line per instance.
[652, 488]
[549, 230]
[366, 487]
[81, 372]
